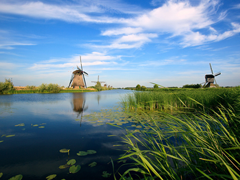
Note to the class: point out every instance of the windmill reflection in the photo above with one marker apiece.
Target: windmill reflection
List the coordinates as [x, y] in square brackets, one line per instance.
[78, 104]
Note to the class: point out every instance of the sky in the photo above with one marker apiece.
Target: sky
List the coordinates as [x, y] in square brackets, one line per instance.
[125, 42]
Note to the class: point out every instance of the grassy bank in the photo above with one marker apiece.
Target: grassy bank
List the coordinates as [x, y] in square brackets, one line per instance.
[179, 99]
[201, 144]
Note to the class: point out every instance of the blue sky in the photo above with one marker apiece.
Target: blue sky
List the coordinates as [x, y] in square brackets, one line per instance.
[125, 42]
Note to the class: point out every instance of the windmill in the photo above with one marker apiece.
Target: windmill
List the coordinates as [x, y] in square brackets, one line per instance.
[210, 78]
[78, 78]
[98, 81]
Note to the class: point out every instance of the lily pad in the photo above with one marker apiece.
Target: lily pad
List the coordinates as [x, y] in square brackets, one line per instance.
[17, 177]
[139, 126]
[1, 141]
[91, 152]
[82, 153]
[52, 176]
[71, 162]
[41, 127]
[22, 124]
[35, 125]
[92, 164]
[1, 174]
[63, 166]
[74, 169]
[64, 150]
[11, 135]
[106, 174]
[3, 135]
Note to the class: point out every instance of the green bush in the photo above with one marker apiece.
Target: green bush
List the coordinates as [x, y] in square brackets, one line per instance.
[53, 88]
[138, 87]
[98, 86]
[155, 86]
[143, 88]
[6, 87]
[30, 87]
[192, 86]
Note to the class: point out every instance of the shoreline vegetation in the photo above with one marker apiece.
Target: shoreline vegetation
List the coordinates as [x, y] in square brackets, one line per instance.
[7, 87]
[195, 134]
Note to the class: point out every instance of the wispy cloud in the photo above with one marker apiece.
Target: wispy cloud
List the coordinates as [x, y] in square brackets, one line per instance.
[92, 59]
[70, 13]
[8, 40]
[163, 62]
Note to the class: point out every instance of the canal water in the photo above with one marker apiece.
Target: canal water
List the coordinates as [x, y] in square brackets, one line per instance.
[35, 127]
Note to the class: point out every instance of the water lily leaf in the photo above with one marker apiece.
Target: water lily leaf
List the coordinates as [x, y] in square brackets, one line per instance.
[63, 166]
[22, 124]
[35, 125]
[106, 174]
[64, 150]
[1, 141]
[42, 124]
[82, 153]
[92, 164]
[138, 126]
[3, 135]
[52, 176]
[17, 177]
[91, 152]
[1, 174]
[71, 162]
[23, 129]
[11, 135]
[74, 169]
[41, 127]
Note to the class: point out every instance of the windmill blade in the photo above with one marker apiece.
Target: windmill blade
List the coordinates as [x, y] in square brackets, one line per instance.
[70, 80]
[215, 81]
[211, 68]
[81, 63]
[85, 73]
[78, 68]
[217, 74]
[84, 81]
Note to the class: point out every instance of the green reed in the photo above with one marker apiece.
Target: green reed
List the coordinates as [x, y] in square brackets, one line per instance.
[181, 99]
[184, 146]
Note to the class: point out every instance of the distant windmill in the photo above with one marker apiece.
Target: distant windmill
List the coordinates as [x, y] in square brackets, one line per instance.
[98, 81]
[210, 78]
[78, 78]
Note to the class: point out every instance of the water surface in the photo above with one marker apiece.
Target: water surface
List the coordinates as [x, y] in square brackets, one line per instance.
[34, 152]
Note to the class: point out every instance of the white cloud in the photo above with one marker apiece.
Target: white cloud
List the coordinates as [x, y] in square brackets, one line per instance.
[93, 59]
[176, 17]
[126, 30]
[196, 38]
[129, 41]
[70, 13]
[163, 62]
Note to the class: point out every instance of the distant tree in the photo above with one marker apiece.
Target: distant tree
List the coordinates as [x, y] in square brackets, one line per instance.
[192, 86]
[155, 86]
[98, 86]
[6, 86]
[143, 88]
[138, 87]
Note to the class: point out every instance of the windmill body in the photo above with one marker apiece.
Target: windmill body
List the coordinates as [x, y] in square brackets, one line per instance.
[210, 78]
[78, 78]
